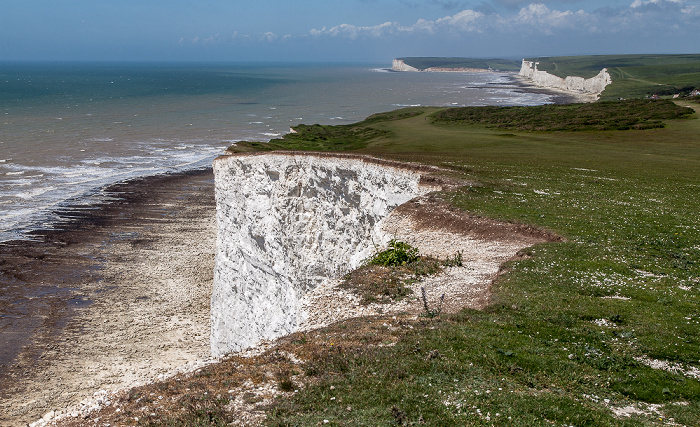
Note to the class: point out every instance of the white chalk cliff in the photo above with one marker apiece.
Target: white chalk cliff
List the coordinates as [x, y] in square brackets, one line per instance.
[593, 85]
[288, 221]
[399, 65]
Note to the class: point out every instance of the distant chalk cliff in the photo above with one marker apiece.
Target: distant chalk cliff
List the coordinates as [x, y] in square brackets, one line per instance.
[594, 85]
[400, 65]
[288, 221]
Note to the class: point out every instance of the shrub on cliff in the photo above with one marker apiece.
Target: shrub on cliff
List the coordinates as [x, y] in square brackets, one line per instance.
[398, 253]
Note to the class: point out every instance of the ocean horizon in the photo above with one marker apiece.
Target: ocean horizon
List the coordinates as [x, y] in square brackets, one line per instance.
[70, 129]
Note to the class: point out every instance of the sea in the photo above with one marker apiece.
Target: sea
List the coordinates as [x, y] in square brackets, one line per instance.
[68, 130]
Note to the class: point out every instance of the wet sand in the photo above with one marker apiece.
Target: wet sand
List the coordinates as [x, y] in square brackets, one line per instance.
[124, 286]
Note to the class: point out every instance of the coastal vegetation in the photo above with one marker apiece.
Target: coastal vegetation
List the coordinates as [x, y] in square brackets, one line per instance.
[634, 114]
[423, 63]
[386, 275]
[578, 332]
[598, 329]
[633, 76]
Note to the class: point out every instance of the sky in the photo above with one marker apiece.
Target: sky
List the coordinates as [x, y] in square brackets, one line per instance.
[341, 30]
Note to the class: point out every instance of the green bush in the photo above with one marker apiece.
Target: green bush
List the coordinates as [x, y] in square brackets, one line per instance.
[399, 253]
[610, 115]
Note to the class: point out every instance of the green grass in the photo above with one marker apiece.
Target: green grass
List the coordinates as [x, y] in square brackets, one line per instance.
[633, 76]
[568, 329]
[397, 254]
[485, 63]
[589, 65]
[612, 115]
[315, 138]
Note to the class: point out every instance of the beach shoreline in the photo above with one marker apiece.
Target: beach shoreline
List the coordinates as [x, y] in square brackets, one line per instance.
[128, 287]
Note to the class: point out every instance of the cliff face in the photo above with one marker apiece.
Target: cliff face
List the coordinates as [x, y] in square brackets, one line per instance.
[286, 222]
[594, 85]
[399, 65]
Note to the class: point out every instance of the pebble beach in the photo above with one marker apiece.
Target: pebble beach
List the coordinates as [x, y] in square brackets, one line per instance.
[146, 295]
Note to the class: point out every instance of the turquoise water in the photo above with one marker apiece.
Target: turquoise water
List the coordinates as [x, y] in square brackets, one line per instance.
[67, 130]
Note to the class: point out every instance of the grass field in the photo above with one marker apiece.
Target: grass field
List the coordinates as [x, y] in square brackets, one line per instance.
[572, 331]
[600, 329]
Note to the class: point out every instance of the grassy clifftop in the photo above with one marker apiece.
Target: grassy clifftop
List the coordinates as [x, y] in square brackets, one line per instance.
[422, 63]
[600, 116]
[600, 329]
[633, 76]
[573, 329]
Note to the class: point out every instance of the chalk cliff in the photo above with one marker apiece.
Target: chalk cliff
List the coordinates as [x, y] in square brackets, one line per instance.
[594, 85]
[399, 65]
[286, 222]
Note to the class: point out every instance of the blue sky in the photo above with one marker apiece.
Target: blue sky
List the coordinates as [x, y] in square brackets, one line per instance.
[348, 30]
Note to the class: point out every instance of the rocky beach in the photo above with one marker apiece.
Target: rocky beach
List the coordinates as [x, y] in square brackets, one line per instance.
[121, 295]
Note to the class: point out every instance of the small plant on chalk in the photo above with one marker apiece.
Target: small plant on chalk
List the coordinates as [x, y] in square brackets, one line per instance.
[284, 380]
[455, 261]
[398, 254]
[431, 312]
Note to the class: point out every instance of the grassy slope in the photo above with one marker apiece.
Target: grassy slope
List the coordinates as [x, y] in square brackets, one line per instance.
[633, 76]
[562, 340]
[567, 326]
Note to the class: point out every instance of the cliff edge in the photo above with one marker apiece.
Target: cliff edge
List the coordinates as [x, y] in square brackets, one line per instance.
[287, 222]
[400, 65]
[594, 85]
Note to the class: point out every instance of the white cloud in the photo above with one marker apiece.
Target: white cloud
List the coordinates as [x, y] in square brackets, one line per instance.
[536, 18]
[692, 10]
[353, 31]
[466, 20]
[268, 36]
[639, 3]
[539, 17]
[423, 25]
[640, 19]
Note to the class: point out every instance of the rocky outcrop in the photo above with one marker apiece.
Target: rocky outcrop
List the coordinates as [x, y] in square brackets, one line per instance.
[399, 65]
[593, 85]
[288, 221]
